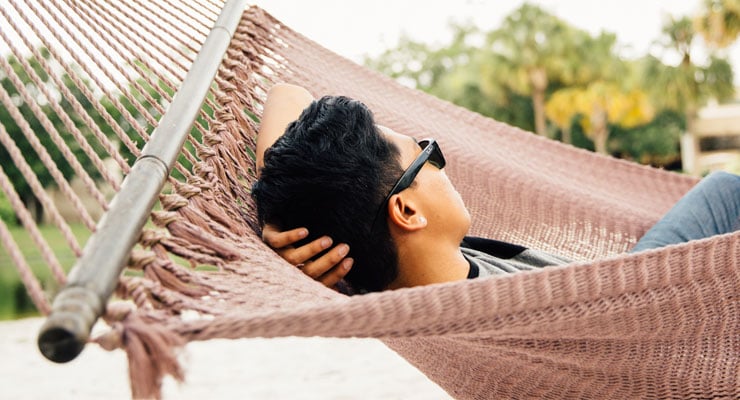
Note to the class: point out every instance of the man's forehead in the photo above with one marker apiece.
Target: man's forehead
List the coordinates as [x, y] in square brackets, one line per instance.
[406, 145]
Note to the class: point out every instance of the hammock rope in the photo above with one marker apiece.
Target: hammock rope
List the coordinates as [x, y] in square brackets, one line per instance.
[659, 324]
[95, 275]
[72, 62]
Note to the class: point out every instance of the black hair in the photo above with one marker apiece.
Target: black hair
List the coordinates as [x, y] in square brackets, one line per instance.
[330, 172]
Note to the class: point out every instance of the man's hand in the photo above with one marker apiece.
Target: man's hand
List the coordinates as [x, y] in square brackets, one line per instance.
[328, 269]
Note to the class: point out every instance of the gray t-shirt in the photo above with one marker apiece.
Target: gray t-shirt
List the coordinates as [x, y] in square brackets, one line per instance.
[489, 257]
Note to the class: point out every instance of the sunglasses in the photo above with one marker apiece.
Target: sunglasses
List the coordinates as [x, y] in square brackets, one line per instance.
[430, 152]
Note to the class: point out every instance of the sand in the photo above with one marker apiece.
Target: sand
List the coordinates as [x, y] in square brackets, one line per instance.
[283, 368]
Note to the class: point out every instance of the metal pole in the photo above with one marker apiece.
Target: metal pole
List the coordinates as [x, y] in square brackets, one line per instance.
[94, 277]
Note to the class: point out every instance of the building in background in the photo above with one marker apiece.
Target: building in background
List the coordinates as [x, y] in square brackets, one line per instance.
[714, 141]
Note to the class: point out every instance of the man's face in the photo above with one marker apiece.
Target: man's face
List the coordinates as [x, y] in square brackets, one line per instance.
[443, 206]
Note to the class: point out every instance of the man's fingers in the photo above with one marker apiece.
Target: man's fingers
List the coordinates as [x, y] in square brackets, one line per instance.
[277, 239]
[328, 269]
[336, 274]
[304, 254]
[323, 264]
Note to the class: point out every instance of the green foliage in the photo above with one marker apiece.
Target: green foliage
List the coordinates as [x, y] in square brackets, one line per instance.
[140, 107]
[687, 86]
[14, 300]
[509, 73]
[7, 214]
[144, 106]
[141, 110]
[655, 143]
[719, 22]
[504, 105]
[580, 138]
[423, 66]
[36, 126]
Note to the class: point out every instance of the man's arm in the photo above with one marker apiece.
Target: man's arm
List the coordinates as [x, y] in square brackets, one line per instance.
[284, 105]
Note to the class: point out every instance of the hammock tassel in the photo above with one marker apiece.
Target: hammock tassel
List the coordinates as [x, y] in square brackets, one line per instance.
[151, 353]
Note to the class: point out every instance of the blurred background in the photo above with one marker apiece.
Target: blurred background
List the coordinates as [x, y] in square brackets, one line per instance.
[627, 78]
[649, 81]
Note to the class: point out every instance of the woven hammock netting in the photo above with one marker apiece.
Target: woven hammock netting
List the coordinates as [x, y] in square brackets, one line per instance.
[658, 324]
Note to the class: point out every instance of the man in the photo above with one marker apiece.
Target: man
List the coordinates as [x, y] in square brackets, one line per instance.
[332, 171]
[386, 199]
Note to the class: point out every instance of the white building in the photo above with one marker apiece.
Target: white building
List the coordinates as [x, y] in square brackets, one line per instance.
[714, 143]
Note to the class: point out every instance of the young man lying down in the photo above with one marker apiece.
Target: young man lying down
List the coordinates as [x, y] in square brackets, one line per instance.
[329, 175]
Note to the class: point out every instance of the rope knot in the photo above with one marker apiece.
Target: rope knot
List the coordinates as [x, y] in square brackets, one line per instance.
[112, 339]
[173, 201]
[150, 237]
[141, 258]
[164, 218]
[115, 315]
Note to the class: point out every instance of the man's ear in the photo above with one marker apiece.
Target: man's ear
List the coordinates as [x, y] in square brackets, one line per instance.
[405, 213]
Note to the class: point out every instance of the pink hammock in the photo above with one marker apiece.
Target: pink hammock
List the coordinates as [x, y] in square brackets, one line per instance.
[658, 324]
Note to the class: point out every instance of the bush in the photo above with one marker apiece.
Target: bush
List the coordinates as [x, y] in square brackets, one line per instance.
[6, 211]
[656, 143]
[15, 301]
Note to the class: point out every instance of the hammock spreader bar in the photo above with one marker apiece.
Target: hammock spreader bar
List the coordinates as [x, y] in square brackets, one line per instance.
[94, 276]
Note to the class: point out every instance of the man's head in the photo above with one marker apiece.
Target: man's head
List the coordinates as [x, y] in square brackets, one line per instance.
[330, 172]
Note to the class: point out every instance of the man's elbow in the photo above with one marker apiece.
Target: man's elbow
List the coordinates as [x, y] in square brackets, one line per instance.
[290, 92]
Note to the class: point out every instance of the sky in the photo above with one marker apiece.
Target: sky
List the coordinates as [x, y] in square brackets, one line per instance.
[358, 28]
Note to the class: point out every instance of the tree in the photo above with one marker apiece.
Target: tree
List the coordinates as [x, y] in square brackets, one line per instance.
[423, 66]
[719, 22]
[655, 143]
[604, 103]
[509, 76]
[502, 73]
[122, 112]
[562, 109]
[528, 51]
[686, 86]
[15, 132]
[144, 103]
[453, 71]
[599, 84]
[596, 107]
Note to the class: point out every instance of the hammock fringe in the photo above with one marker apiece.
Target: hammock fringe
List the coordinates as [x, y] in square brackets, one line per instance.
[107, 251]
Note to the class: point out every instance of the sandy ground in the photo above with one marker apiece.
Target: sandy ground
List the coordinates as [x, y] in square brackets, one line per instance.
[285, 368]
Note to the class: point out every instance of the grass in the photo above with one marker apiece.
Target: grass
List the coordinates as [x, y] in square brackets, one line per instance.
[14, 300]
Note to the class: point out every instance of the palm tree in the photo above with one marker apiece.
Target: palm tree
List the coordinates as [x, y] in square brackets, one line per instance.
[719, 22]
[528, 51]
[422, 65]
[596, 107]
[602, 104]
[562, 108]
[686, 86]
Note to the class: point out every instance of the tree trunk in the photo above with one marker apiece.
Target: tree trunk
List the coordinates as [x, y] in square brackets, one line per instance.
[39, 210]
[538, 104]
[600, 139]
[567, 136]
[538, 79]
[35, 208]
[600, 130]
[690, 114]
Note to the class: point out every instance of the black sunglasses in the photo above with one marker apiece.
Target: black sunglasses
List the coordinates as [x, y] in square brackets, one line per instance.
[430, 152]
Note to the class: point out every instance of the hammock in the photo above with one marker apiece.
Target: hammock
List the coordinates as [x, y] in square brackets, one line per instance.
[659, 324]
